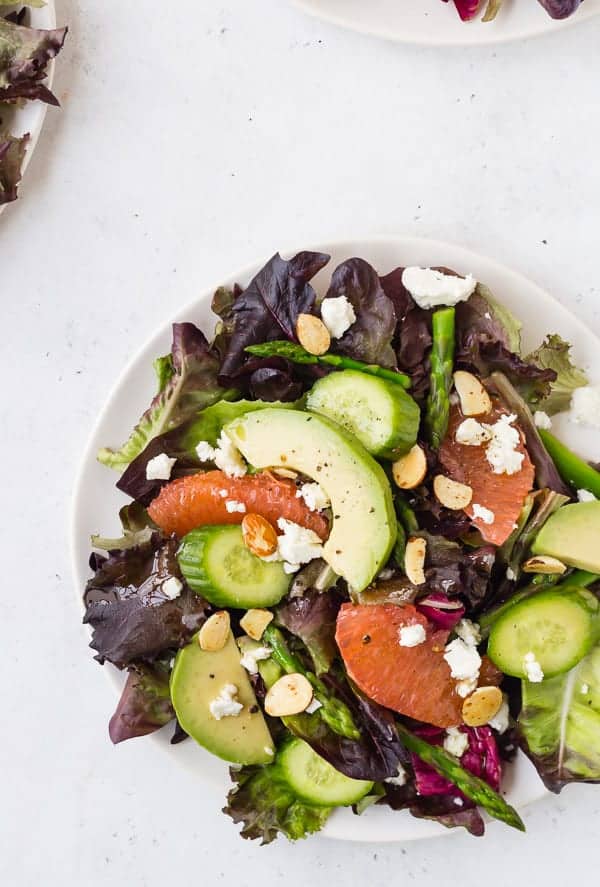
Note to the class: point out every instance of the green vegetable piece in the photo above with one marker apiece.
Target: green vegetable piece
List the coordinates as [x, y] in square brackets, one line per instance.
[437, 413]
[164, 370]
[471, 786]
[554, 354]
[573, 469]
[572, 535]
[314, 780]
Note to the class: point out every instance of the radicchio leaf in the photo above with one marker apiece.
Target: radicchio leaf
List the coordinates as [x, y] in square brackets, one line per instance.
[145, 704]
[24, 56]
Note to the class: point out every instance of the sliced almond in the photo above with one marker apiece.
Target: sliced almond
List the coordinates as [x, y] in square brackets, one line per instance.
[312, 334]
[545, 564]
[255, 622]
[474, 399]
[409, 471]
[481, 706]
[290, 695]
[259, 535]
[452, 494]
[414, 560]
[213, 635]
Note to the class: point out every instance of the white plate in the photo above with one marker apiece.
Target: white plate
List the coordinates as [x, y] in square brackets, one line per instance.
[434, 23]
[96, 500]
[30, 117]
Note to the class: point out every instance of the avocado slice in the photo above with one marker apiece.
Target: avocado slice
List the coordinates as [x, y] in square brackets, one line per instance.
[197, 679]
[363, 530]
[572, 534]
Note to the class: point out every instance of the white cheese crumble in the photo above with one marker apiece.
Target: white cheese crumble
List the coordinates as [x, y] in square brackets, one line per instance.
[338, 315]
[500, 720]
[542, 420]
[532, 669]
[412, 635]
[314, 496]
[160, 467]
[313, 706]
[585, 496]
[228, 458]
[431, 288]
[297, 545]
[585, 689]
[501, 452]
[205, 451]
[465, 687]
[472, 433]
[399, 779]
[386, 574]
[225, 705]
[456, 742]
[232, 505]
[463, 659]
[469, 632]
[484, 514]
[252, 656]
[223, 494]
[172, 587]
[458, 801]
[585, 406]
[510, 574]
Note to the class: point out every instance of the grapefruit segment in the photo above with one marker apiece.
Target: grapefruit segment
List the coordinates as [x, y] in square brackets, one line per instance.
[199, 500]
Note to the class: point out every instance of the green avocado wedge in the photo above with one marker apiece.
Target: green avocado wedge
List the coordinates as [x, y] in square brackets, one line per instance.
[572, 534]
[363, 528]
[197, 678]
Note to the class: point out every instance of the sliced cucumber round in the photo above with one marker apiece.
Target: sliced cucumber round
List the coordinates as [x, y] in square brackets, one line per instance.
[380, 414]
[559, 627]
[217, 564]
[314, 780]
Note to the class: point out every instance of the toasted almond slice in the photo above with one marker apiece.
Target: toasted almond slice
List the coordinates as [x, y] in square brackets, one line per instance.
[414, 560]
[213, 635]
[451, 493]
[254, 623]
[312, 334]
[481, 706]
[409, 471]
[288, 696]
[545, 564]
[474, 399]
[259, 535]
[286, 472]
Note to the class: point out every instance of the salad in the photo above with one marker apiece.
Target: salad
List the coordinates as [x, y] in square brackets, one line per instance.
[469, 9]
[356, 563]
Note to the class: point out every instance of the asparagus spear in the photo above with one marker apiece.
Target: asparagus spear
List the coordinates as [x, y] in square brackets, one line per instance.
[471, 786]
[571, 468]
[437, 412]
[297, 354]
[406, 515]
[334, 712]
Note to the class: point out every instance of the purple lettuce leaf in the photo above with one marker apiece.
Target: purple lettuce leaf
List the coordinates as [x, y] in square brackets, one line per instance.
[560, 8]
[312, 618]
[12, 152]
[24, 58]
[132, 619]
[412, 340]
[145, 704]
[370, 336]
[453, 570]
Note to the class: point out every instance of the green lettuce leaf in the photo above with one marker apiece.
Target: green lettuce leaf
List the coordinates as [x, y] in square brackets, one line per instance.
[501, 315]
[164, 370]
[12, 152]
[554, 354]
[24, 56]
[265, 805]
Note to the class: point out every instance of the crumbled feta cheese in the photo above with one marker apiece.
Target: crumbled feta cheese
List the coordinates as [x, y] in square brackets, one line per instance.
[314, 496]
[223, 494]
[585, 406]
[160, 467]
[456, 742]
[532, 669]
[585, 496]
[484, 514]
[385, 574]
[290, 568]
[399, 779]
[338, 315]
[228, 458]
[465, 687]
[232, 505]
[468, 632]
[172, 587]
[458, 801]
[412, 635]
[313, 706]
[205, 451]
[542, 420]
[502, 452]
[225, 704]
[472, 433]
[463, 659]
[252, 656]
[431, 288]
[500, 720]
[510, 574]
[297, 545]
[585, 689]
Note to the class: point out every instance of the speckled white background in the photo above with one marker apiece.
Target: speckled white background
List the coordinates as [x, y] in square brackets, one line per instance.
[195, 137]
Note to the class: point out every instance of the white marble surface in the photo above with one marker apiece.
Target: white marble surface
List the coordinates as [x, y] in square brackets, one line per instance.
[193, 138]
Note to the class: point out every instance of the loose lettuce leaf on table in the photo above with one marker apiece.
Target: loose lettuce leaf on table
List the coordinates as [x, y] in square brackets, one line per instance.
[24, 56]
[560, 725]
[554, 354]
[12, 152]
[145, 704]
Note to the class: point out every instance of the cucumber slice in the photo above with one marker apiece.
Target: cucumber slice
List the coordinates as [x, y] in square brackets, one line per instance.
[216, 564]
[559, 627]
[315, 781]
[380, 414]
